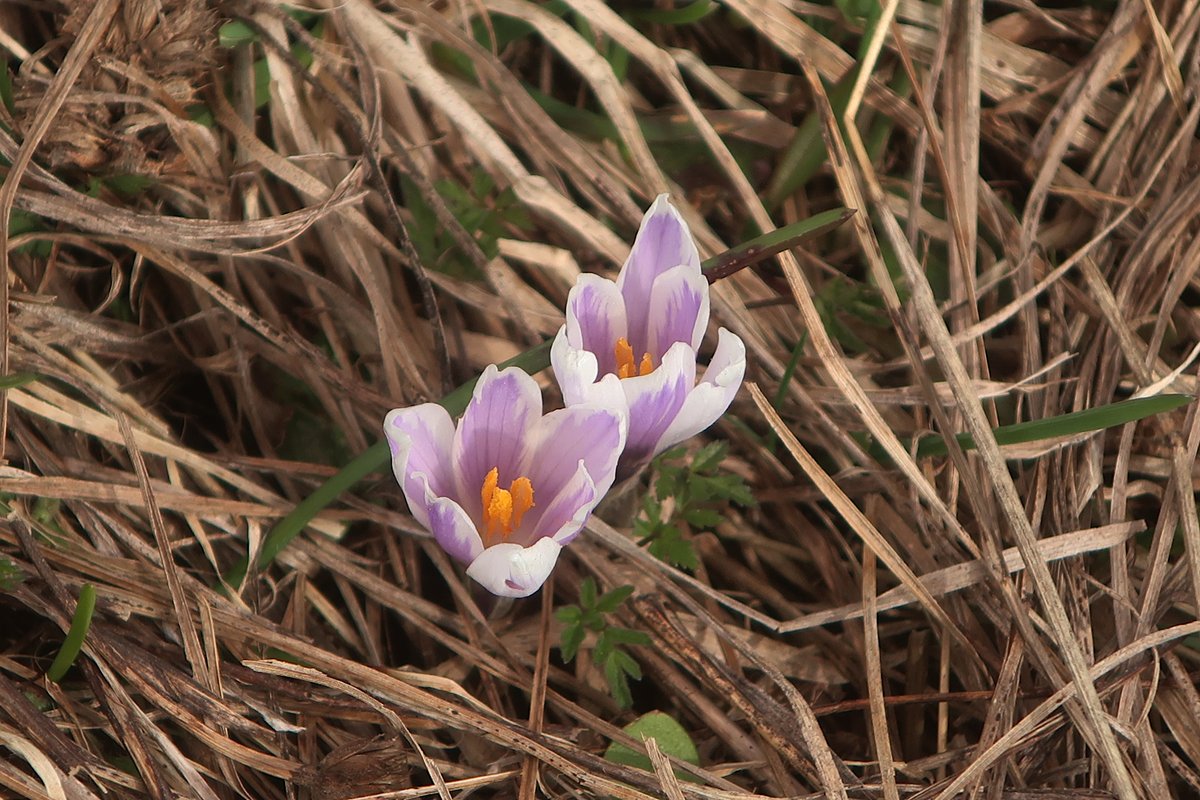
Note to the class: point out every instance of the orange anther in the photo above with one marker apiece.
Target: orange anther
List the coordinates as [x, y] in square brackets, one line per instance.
[522, 499]
[503, 508]
[626, 368]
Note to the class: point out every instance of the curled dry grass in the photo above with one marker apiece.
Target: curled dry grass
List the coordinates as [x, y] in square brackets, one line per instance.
[210, 344]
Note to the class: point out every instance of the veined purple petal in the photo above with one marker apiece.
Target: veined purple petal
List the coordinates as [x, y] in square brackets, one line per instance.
[596, 318]
[493, 432]
[654, 401]
[711, 398]
[678, 310]
[662, 242]
[510, 570]
[561, 440]
[420, 438]
[454, 530]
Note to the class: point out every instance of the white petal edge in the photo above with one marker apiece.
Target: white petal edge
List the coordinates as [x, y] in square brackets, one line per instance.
[510, 570]
[439, 427]
[712, 397]
[574, 369]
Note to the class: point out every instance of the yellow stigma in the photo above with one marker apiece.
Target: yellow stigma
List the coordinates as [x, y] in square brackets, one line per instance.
[503, 508]
[625, 366]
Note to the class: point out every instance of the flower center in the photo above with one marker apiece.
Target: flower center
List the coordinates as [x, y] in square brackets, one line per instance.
[504, 508]
[625, 366]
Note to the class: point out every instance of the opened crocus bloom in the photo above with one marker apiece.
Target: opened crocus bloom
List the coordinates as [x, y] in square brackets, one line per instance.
[508, 488]
[632, 344]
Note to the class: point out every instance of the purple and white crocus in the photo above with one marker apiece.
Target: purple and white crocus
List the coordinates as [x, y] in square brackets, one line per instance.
[632, 344]
[507, 488]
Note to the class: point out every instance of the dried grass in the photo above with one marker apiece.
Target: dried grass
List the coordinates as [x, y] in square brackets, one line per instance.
[211, 344]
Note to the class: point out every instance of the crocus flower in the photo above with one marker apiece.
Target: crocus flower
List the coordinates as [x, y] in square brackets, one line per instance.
[507, 488]
[632, 344]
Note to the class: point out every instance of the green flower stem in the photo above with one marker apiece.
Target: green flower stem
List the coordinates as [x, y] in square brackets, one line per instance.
[532, 361]
[74, 641]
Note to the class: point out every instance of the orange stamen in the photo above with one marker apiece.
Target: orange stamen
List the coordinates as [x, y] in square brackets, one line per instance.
[522, 498]
[504, 508]
[623, 352]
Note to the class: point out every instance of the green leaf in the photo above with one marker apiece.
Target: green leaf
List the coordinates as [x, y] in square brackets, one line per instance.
[128, 184]
[627, 636]
[702, 517]
[627, 663]
[587, 593]
[604, 647]
[671, 547]
[1091, 419]
[569, 615]
[232, 34]
[671, 737]
[709, 457]
[645, 529]
[692, 12]
[618, 683]
[669, 483]
[572, 638]
[611, 601]
[674, 454]
[75, 636]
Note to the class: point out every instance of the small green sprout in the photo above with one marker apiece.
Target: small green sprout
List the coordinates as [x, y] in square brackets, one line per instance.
[700, 492]
[608, 648]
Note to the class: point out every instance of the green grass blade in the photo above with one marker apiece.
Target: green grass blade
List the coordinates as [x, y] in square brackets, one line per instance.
[80, 624]
[692, 12]
[1086, 421]
[805, 154]
[17, 379]
[768, 244]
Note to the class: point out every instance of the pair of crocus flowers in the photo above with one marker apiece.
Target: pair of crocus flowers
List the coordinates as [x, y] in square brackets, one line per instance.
[508, 487]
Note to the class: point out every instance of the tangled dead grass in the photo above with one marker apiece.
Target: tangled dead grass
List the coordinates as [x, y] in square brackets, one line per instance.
[225, 263]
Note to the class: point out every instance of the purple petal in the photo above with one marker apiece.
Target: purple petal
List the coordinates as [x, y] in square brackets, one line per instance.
[654, 400]
[563, 439]
[678, 309]
[567, 512]
[510, 570]
[711, 398]
[420, 438]
[454, 530]
[596, 319]
[662, 242]
[493, 432]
